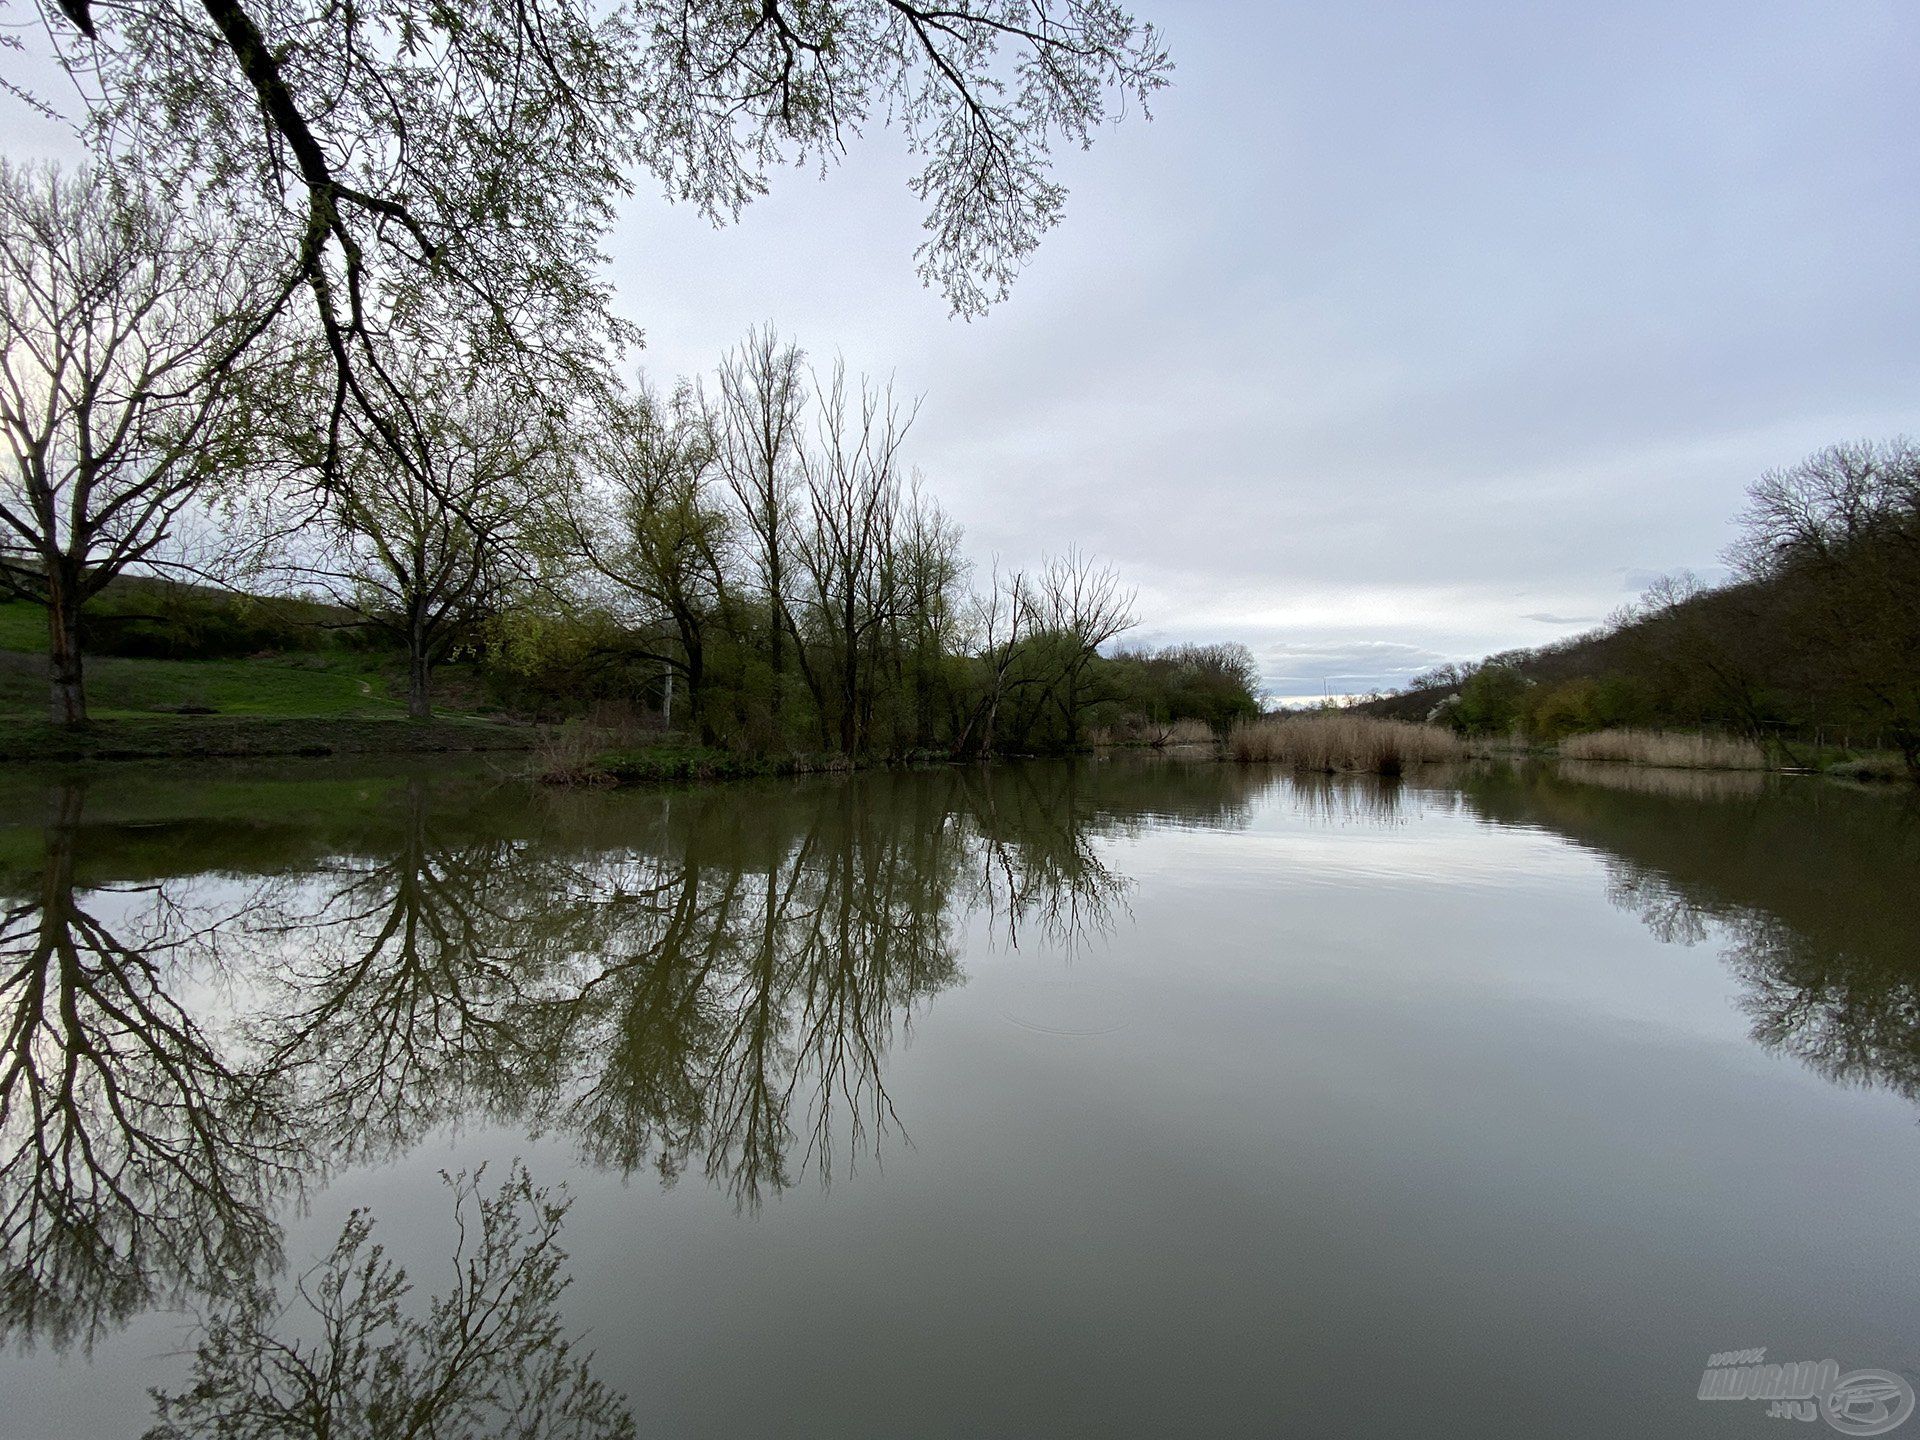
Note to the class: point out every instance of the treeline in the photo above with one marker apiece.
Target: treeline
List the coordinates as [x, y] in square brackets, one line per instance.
[747, 558]
[1816, 641]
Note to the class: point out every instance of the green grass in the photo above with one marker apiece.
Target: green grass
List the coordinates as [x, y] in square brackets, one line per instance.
[23, 626]
[1885, 765]
[333, 702]
[305, 685]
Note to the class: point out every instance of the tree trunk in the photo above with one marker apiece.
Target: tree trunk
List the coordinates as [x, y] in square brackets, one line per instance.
[777, 644]
[696, 688]
[419, 686]
[850, 703]
[1907, 739]
[69, 697]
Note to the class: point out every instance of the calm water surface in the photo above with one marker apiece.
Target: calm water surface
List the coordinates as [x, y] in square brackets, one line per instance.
[1092, 1099]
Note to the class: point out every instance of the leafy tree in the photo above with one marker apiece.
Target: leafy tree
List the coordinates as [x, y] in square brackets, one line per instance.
[1214, 684]
[1491, 702]
[460, 164]
[649, 524]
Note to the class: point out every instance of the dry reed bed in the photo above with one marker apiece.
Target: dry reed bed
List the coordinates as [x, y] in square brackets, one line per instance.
[1332, 743]
[1156, 734]
[1670, 749]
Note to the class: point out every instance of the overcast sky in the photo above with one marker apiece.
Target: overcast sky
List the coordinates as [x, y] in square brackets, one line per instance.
[1404, 332]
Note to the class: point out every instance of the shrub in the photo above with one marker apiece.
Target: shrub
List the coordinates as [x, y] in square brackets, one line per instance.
[1491, 702]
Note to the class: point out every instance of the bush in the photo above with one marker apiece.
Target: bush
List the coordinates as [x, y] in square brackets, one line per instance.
[149, 620]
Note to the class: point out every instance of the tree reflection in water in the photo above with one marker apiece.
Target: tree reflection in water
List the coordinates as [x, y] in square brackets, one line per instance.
[1807, 890]
[699, 982]
[396, 975]
[134, 1150]
[352, 1360]
[676, 980]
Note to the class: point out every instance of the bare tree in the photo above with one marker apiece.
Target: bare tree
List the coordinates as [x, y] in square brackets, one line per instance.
[142, 1155]
[489, 1357]
[928, 573]
[123, 394]
[1081, 607]
[1840, 532]
[763, 396]
[1001, 622]
[846, 546]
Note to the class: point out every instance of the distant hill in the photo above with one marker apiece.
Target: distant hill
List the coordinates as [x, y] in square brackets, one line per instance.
[1768, 657]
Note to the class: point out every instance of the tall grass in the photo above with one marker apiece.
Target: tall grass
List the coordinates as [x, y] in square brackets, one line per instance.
[1158, 734]
[1674, 749]
[1331, 743]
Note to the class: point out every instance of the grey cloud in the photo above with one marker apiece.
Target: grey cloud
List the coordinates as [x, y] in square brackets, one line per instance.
[1329, 376]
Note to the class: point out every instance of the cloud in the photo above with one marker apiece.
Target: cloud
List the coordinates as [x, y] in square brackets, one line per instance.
[1433, 375]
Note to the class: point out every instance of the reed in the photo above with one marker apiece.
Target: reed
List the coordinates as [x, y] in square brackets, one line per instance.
[1183, 732]
[569, 754]
[1674, 750]
[1331, 743]
[1156, 734]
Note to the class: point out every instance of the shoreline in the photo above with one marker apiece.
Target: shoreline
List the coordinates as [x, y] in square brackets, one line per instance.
[265, 736]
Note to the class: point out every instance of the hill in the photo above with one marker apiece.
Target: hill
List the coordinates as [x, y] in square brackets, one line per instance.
[1816, 645]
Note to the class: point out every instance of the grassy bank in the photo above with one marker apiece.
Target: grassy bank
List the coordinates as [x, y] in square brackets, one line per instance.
[188, 736]
[292, 685]
[325, 700]
[1342, 742]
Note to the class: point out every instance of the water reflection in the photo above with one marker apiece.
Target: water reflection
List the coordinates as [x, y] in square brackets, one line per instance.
[135, 1150]
[1807, 890]
[749, 984]
[351, 1356]
[395, 977]
[202, 1015]
[676, 981]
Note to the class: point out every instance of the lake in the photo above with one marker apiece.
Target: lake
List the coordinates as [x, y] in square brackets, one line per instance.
[1123, 1097]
